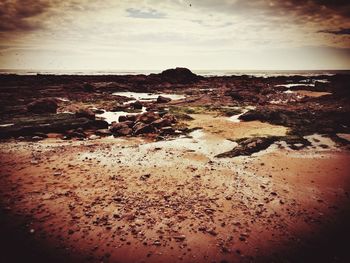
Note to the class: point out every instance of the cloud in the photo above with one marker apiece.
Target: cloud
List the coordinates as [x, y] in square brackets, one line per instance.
[16, 15]
[125, 31]
[342, 31]
[148, 13]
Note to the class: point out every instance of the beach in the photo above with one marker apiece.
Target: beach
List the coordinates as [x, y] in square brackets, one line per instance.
[174, 167]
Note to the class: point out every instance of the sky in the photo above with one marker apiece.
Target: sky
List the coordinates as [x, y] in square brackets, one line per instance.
[160, 34]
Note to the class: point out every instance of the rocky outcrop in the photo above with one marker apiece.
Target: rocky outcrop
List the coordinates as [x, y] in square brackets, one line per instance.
[248, 146]
[303, 119]
[43, 106]
[54, 123]
[176, 76]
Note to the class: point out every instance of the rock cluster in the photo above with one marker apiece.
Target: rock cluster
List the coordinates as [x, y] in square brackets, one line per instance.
[145, 123]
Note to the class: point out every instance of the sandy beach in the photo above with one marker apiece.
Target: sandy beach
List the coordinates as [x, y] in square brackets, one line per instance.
[208, 176]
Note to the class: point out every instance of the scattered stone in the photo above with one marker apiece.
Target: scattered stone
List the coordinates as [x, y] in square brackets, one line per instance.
[144, 177]
[180, 238]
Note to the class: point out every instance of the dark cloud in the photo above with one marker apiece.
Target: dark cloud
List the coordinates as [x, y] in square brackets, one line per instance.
[18, 15]
[342, 31]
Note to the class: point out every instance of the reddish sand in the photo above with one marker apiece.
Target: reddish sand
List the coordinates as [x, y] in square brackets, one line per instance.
[134, 201]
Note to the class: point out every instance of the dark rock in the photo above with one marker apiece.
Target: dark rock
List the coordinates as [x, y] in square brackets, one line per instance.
[137, 105]
[129, 123]
[131, 117]
[124, 131]
[40, 106]
[122, 118]
[78, 133]
[161, 123]
[250, 146]
[103, 132]
[117, 126]
[171, 118]
[167, 130]
[179, 75]
[162, 99]
[55, 123]
[85, 113]
[302, 119]
[141, 128]
[98, 124]
[148, 117]
[144, 177]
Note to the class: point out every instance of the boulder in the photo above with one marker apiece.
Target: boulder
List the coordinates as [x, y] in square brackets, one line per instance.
[137, 105]
[131, 117]
[122, 118]
[117, 126]
[40, 106]
[171, 117]
[98, 124]
[124, 131]
[148, 117]
[85, 113]
[167, 130]
[162, 99]
[129, 123]
[163, 122]
[141, 128]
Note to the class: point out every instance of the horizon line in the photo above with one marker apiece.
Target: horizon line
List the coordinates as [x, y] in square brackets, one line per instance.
[126, 70]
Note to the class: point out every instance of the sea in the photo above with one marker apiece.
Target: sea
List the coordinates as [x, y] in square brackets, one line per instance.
[254, 73]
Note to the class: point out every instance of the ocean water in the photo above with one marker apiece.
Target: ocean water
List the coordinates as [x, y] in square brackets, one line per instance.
[255, 73]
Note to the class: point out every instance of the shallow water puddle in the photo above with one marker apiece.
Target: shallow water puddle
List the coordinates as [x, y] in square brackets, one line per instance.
[148, 96]
[291, 85]
[7, 125]
[110, 116]
[321, 142]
